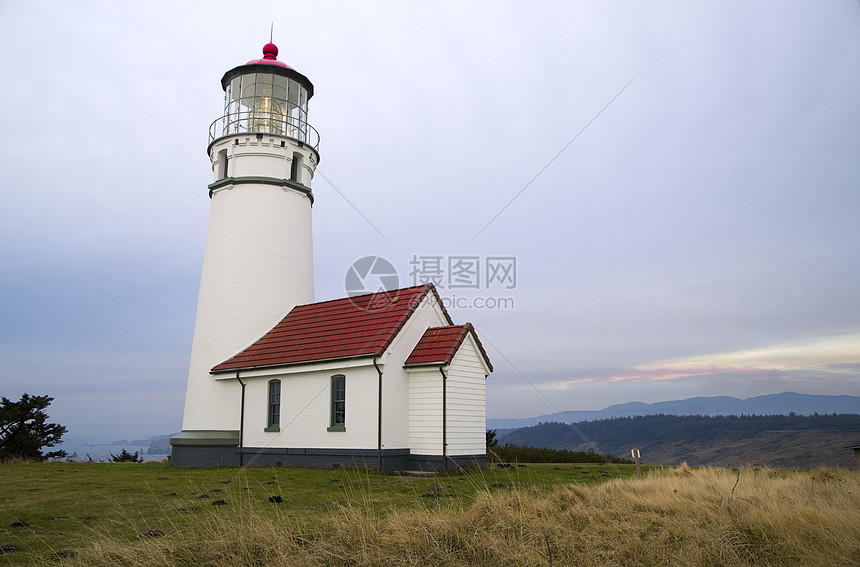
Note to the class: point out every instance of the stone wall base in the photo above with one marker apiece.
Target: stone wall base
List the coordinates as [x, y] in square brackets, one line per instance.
[187, 455]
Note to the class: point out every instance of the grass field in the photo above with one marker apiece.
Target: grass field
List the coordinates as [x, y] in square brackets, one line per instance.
[539, 514]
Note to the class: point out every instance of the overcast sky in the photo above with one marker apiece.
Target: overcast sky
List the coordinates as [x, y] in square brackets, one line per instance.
[701, 236]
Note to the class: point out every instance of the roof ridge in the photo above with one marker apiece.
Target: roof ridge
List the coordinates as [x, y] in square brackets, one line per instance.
[447, 326]
[353, 297]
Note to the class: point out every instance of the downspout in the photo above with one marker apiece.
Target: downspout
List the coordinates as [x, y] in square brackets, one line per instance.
[379, 419]
[444, 420]
[241, 422]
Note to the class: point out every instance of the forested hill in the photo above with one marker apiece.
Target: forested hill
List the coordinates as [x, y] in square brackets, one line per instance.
[788, 441]
[770, 404]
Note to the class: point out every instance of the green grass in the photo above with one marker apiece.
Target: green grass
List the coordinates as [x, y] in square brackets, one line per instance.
[147, 515]
[50, 508]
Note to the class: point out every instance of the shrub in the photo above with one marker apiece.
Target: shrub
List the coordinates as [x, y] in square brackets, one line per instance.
[126, 457]
[512, 453]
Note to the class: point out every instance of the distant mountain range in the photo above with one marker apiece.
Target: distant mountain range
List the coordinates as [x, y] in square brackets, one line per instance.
[773, 404]
[782, 441]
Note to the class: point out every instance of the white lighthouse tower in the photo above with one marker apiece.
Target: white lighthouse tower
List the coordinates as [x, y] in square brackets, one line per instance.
[258, 262]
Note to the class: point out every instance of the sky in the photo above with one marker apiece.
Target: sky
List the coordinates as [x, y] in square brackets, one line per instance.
[674, 185]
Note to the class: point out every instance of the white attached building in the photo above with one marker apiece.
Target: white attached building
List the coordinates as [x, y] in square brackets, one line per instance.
[384, 380]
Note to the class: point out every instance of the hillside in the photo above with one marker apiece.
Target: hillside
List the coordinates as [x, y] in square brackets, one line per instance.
[803, 442]
[772, 404]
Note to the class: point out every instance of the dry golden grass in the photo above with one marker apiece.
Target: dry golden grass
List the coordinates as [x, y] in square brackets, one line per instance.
[674, 516]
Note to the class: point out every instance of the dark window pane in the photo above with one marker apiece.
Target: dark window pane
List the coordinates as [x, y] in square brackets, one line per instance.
[274, 402]
[338, 400]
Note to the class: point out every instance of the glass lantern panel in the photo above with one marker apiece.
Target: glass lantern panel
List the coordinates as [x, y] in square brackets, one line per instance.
[298, 127]
[279, 93]
[246, 110]
[232, 105]
[277, 116]
[294, 93]
[263, 84]
[235, 87]
[247, 85]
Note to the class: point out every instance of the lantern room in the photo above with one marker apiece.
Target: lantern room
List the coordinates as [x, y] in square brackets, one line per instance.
[266, 96]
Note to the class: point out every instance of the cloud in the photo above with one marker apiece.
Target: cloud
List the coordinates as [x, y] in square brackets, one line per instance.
[828, 365]
[835, 354]
[697, 239]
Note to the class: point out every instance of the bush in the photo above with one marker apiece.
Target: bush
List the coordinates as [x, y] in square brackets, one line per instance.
[126, 457]
[514, 454]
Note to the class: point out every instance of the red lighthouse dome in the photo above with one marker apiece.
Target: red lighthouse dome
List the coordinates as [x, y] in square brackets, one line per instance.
[270, 57]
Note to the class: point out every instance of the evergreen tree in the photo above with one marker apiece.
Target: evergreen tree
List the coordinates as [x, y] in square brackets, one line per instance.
[24, 429]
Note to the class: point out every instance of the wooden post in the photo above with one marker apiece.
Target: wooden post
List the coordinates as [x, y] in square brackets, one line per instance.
[444, 420]
[241, 424]
[635, 453]
[856, 449]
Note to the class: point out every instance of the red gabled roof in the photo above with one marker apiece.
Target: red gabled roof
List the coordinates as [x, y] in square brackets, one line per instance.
[438, 346]
[352, 327]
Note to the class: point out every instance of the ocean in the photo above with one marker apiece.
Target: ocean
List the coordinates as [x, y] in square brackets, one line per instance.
[101, 448]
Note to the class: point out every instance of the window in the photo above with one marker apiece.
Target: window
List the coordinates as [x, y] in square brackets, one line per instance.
[296, 168]
[273, 416]
[338, 403]
[222, 164]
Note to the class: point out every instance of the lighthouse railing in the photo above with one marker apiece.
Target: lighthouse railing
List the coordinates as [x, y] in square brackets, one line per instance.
[264, 123]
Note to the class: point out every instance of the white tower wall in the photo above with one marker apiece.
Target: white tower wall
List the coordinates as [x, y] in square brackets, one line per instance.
[258, 262]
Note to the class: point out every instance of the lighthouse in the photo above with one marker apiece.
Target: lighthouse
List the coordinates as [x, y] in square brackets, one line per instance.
[383, 380]
[258, 261]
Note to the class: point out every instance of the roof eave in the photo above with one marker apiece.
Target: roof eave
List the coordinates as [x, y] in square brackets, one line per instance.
[480, 347]
[426, 364]
[292, 364]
